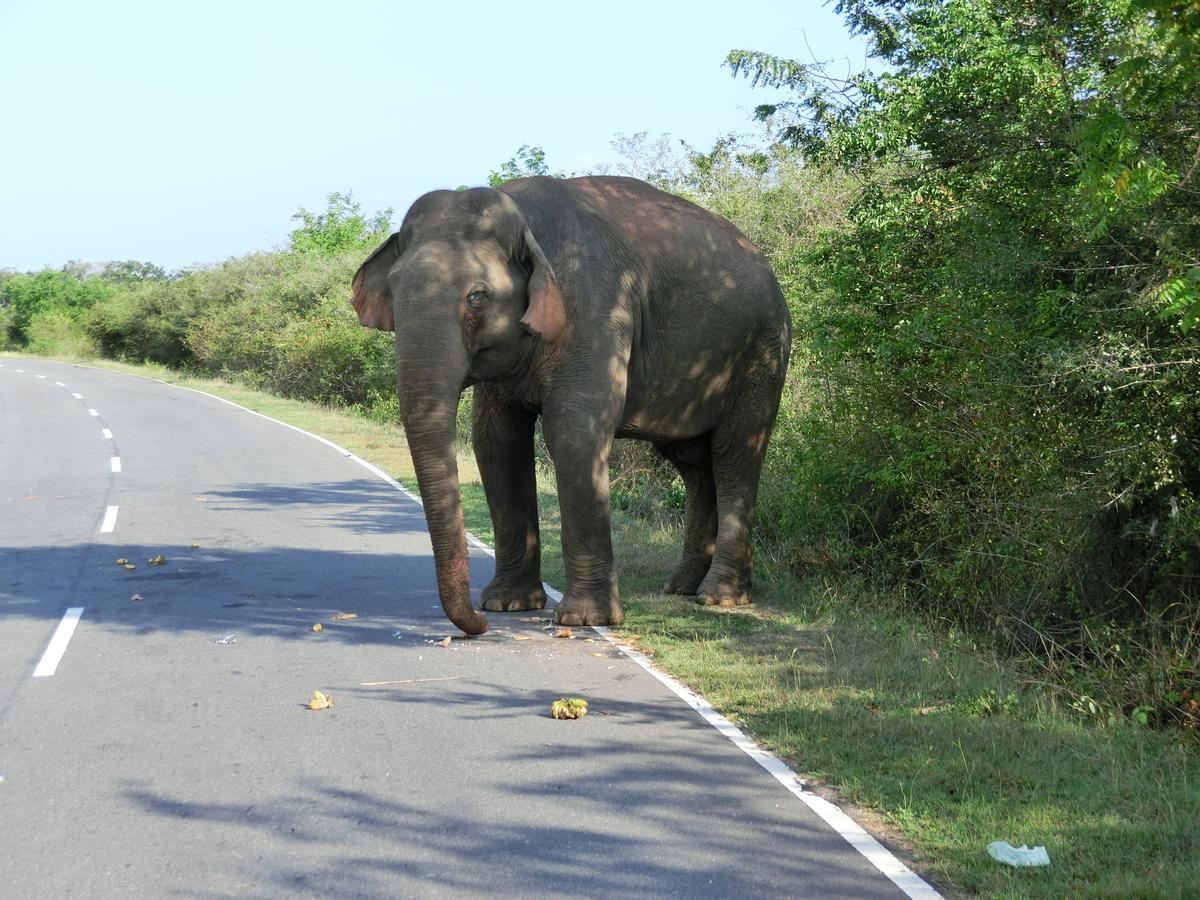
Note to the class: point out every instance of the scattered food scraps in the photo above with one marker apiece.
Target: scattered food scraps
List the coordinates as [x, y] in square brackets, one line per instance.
[137, 597]
[320, 701]
[563, 633]
[159, 560]
[318, 628]
[228, 639]
[122, 561]
[522, 637]
[572, 708]
[444, 642]
[129, 567]
[341, 617]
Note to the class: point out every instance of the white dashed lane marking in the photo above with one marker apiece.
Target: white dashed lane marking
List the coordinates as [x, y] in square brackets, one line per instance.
[116, 464]
[110, 520]
[92, 412]
[58, 643]
[107, 434]
[77, 396]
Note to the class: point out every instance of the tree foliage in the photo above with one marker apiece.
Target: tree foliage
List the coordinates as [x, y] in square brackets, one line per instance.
[1010, 425]
[342, 227]
[526, 162]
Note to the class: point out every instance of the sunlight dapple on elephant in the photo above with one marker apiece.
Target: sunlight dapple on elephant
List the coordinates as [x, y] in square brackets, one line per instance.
[611, 310]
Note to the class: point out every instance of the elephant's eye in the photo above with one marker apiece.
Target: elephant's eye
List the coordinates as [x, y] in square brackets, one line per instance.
[475, 300]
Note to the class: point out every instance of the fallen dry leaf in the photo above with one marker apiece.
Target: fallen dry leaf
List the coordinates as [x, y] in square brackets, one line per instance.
[137, 597]
[159, 560]
[597, 653]
[444, 642]
[563, 633]
[318, 627]
[573, 708]
[320, 701]
[129, 567]
[926, 710]
[341, 617]
[195, 546]
[522, 637]
[122, 561]
[200, 499]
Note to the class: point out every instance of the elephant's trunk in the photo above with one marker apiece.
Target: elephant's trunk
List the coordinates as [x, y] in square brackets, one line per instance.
[429, 423]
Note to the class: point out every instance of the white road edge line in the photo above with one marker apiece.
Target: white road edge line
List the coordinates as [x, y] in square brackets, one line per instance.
[107, 434]
[116, 464]
[48, 664]
[110, 520]
[855, 835]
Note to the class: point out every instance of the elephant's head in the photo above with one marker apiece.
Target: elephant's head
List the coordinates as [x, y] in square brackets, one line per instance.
[467, 290]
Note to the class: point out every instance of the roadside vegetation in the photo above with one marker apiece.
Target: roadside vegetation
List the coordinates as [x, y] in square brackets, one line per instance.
[978, 546]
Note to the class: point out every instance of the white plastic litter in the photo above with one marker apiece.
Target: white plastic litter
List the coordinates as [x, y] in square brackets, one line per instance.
[1003, 851]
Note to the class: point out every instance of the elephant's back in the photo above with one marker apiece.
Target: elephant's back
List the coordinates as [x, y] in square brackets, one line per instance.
[667, 242]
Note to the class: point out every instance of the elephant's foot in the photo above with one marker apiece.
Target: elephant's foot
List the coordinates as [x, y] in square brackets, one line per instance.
[506, 596]
[718, 590]
[687, 577]
[584, 610]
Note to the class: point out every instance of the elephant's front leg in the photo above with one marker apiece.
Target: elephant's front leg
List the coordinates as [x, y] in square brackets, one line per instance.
[503, 440]
[580, 449]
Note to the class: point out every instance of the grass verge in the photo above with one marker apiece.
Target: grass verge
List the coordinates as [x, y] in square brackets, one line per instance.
[946, 746]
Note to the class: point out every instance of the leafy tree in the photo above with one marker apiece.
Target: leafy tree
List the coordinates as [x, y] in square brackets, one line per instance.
[132, 272]
[27, 295]
[340, 228]
[527, 161]
[1010, 425]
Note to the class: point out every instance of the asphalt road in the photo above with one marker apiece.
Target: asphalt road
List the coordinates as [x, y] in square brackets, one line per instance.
[158, 761]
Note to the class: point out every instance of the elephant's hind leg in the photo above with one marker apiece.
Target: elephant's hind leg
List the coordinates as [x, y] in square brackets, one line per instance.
[738, 448]
[693, 459]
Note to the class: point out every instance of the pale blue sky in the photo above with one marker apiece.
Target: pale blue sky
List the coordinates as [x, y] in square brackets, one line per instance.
[183, 133]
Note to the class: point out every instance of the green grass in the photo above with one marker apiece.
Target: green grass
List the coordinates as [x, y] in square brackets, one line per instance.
[941, 745]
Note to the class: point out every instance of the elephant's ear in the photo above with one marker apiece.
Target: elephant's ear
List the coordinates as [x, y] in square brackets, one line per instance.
[545, 314]
[372, 297]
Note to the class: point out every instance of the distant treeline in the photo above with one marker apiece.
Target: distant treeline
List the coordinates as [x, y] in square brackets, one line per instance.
[991, 255]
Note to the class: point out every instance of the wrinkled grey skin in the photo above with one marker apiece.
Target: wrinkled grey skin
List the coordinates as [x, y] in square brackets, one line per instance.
[610, 309]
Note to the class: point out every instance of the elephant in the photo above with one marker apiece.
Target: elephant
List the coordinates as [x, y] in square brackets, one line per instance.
[611, 309]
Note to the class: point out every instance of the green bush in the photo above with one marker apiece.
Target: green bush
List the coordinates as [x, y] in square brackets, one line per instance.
[56, 332]
[147, 323]
[25, 295]
[997, 380]
[283, 322]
